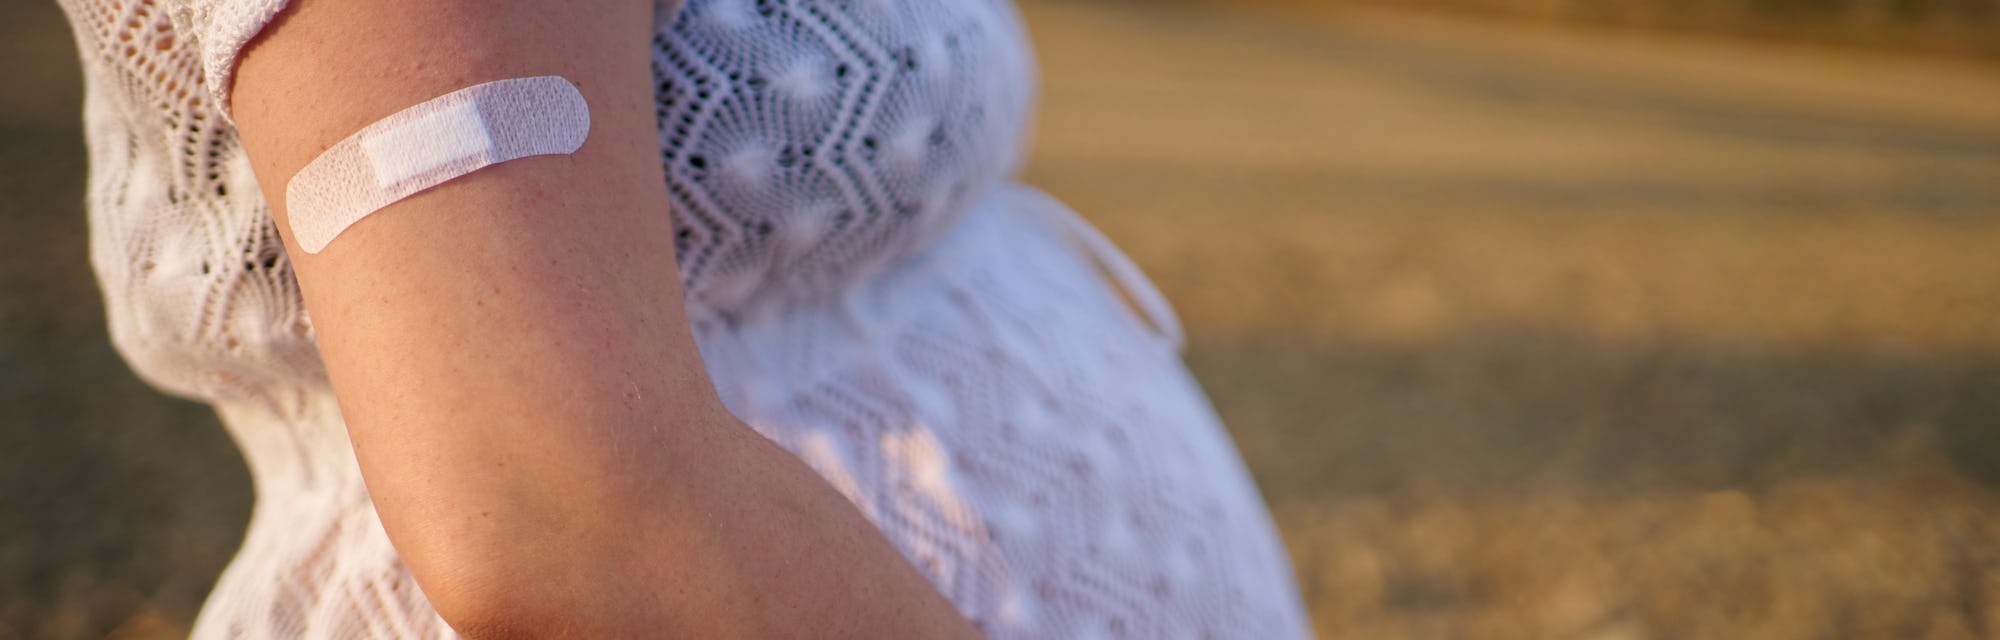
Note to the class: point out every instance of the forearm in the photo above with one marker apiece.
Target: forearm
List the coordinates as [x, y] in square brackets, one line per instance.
[748, 543]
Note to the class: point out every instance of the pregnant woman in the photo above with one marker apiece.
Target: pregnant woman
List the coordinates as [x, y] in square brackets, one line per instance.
[615, 318]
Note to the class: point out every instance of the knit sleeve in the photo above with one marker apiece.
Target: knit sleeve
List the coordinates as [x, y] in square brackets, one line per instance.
[224, 27]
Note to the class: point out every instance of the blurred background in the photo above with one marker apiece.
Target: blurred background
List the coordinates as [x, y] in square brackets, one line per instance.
[1593, 319]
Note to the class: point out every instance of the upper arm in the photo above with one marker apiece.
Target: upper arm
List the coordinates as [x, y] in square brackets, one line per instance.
[509, 351]
[520, 319]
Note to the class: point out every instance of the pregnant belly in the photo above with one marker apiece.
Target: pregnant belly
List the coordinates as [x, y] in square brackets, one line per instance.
[1028, 441]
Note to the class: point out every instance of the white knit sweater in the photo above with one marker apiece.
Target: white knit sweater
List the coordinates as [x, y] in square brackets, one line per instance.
[866, 288]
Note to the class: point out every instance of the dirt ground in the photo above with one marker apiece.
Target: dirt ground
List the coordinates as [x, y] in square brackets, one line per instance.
[1526, 332]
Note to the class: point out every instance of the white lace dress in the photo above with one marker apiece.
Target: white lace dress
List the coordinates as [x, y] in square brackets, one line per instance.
[951, 351]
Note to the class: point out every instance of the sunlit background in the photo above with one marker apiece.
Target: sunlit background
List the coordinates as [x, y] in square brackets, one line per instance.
[1606, 320]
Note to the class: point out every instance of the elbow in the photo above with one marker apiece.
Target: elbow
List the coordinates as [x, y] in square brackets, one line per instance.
[484, 605]
[489, 591]
[537, 558]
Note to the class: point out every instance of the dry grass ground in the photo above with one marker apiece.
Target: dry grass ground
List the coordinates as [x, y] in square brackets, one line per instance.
[1963, 27]
[1526, 332]
[1540, 333]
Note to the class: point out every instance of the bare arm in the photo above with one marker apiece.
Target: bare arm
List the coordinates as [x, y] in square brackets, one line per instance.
[516, 370]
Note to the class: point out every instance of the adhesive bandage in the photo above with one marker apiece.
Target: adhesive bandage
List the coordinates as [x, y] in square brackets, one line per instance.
[431, 144]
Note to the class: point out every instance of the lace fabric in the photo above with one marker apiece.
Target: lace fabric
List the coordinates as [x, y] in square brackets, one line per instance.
[866, 289]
